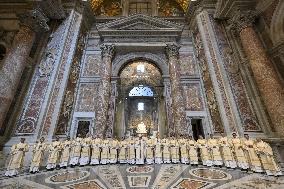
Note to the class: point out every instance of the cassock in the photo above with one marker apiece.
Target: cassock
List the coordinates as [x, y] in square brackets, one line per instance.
[266, 156]
[204, 154]
[38, 154]
[96, 151]
[227, 153]
[64, 159]
[214, 150]
[75, 151]
[17, 158]
[192, 151]
[54, 153]
[239, 154]
[254, 161]
[85, 151]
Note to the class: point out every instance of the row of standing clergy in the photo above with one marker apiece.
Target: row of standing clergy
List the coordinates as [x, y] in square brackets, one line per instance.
[234, 152]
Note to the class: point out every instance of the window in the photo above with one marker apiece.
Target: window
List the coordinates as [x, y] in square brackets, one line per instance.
[140, 106]
[141, 68]
[141, 91]
[140, 8]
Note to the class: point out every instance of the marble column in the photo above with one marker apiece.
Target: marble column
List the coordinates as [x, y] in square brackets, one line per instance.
[105, 86]
[265, 76]
[15, 61]
[172, 51]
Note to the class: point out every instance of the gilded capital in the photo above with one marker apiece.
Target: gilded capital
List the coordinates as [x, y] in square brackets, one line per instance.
[242, 20]
[35, 20]
[172, 50]
[107, 50]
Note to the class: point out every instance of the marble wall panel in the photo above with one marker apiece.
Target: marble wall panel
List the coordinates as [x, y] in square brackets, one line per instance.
[187, 65]
[193, 97]
[91, 65]
[87, 97]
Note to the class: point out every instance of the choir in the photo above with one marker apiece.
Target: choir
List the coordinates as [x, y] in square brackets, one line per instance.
[245, 153]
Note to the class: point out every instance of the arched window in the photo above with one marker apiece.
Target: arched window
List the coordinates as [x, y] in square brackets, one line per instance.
[141, 91]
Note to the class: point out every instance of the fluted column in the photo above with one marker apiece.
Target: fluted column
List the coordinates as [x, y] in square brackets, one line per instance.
[31, 22]
[265, 76]
[105, 72]
[172, 51]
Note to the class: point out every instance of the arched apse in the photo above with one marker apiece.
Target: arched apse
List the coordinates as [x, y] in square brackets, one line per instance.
[120, 61]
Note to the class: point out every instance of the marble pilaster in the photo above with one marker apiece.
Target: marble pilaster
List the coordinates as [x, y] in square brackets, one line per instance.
[31, 22]
[265, 76]
[172, 51]
[222, 89]
[105, 86]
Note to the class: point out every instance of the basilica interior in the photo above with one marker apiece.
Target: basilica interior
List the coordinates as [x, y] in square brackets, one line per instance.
[116, 68]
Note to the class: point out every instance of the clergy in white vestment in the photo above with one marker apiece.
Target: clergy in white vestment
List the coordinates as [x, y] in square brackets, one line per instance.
[75, 151]
[158, 150]
[140, 150]
[65, 156]
[38, 154]
[131, 150]
[86, 151]
[96, 151]
[104, 151]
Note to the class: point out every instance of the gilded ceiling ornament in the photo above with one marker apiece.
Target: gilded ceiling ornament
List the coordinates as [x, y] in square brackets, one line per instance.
[97, 3]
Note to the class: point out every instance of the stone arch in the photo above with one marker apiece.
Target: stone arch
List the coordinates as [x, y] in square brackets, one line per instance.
[120, 61]
[277, 24]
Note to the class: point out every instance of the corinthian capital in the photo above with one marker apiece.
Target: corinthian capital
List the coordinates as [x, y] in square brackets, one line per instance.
[35, 20]
[172, 50]
[242, 20]
[107, 50]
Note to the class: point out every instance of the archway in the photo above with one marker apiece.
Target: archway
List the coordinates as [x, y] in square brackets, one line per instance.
[140, 99]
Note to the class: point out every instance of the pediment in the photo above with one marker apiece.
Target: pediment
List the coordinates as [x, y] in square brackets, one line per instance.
[140, 22]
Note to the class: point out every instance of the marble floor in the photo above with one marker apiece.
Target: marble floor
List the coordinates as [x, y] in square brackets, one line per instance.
[169, 176]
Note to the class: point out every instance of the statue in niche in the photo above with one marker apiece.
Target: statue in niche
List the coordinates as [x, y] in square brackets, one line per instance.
[46, 65]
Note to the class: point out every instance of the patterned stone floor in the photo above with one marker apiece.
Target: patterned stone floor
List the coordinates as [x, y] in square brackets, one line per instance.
[173, 176]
